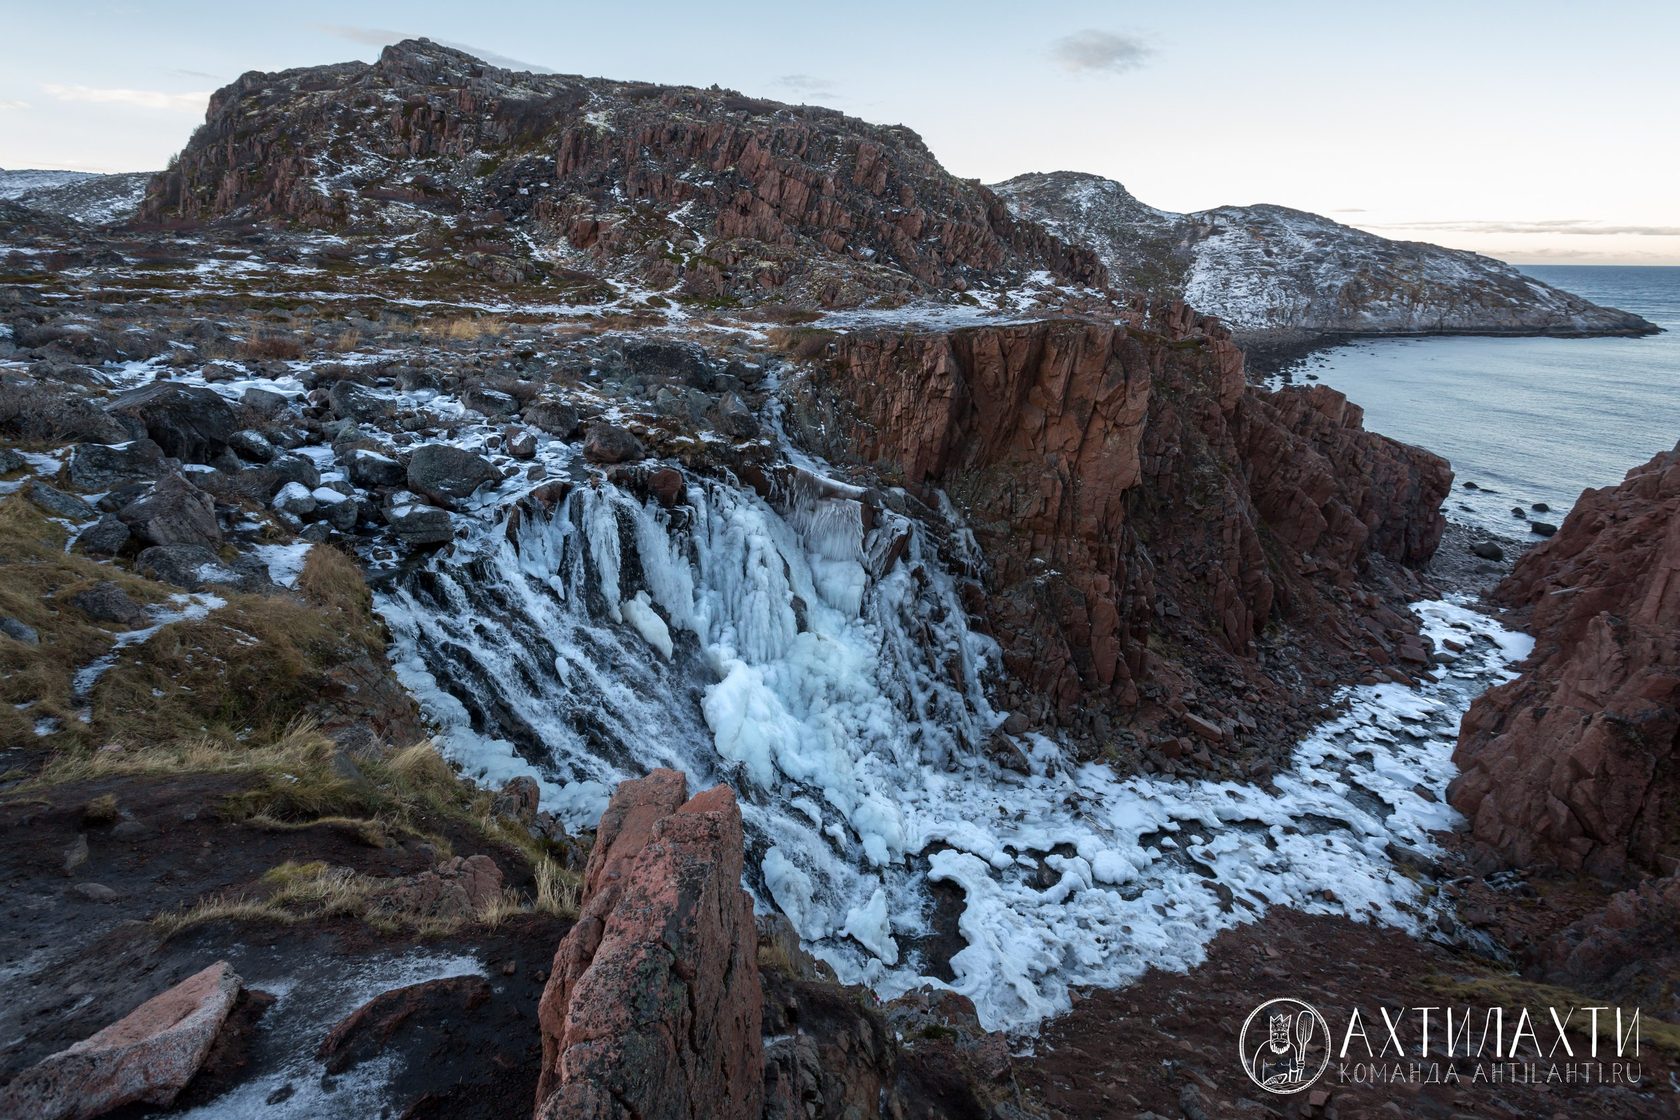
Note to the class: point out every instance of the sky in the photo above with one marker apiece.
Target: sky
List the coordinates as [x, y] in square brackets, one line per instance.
[1537, 132]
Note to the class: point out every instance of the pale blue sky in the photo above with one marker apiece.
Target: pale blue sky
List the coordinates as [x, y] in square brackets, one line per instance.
[1534, 131]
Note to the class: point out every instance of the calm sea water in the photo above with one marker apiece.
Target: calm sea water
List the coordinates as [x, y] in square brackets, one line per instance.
[1527, 419]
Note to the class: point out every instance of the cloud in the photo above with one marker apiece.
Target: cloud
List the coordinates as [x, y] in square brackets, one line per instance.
[1349, 210]
[140, 98]
[1104, 51]
[13, 103]
[806, 84]
[1573, 226]
[385, 36]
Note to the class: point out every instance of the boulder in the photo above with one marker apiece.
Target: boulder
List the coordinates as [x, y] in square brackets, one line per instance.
[53, 501]
[735, 419]
[557, 418]
[252, 446]
[609, 443]
[174, 511]
[189, 566]
[106, 602]
[521, 443]
[653, 1008]
[518, 800]
[445, 473]
[1487, 550]
[371, 470]
[145, 1058]
[294, 498]
[19, 631]
[369, 1031]
[106, 537]
[99, 466]
[454, 890]
[350, 401]
[491, 402]
[188, 422]
[417, 525]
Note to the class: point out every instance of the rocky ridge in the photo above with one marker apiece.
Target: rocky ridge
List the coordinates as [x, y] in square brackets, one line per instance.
[1278, 276]
[703, 193]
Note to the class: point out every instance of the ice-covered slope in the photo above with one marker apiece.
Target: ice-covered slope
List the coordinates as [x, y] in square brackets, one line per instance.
[1269, 270]
[82, 195]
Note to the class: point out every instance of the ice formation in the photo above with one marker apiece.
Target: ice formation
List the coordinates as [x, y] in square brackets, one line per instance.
[749, 641]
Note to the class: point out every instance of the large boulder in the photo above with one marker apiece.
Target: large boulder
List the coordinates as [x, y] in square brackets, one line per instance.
[609, 443]
[446, 473]
[1576, 763]
[173, 512]
[653, 1008]
[147, 1057]
[99, 466]
[417, 525]
[189, 422]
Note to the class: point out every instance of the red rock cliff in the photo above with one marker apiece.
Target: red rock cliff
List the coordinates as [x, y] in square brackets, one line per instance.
[654, 1009]
[1574, 764]
[1144, 513]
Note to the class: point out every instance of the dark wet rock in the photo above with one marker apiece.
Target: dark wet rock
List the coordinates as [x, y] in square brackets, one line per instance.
[1542, 528]
[381, 1023]
[350, 401]
[296, 468]
[189, 566]
[265, 402]
[106, 602]
[1540, 507]
[609, 443]
[492, 402]
[1488, 550]
[188, 422]
[105, 537]
[557, 418]
[442, 472]
[56, 502]
[174, 511]
[735, 419]
[252, 445]
[98, 466]
[371, 469]
[521, 443]
[11, 461]
[418, 525]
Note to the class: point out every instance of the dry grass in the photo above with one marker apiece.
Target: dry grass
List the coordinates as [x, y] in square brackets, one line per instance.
[271, 346]
[558, 891]
[462, 328]
[37, 579]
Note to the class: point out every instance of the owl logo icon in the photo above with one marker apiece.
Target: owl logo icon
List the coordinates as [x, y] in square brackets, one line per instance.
[1284, 1046]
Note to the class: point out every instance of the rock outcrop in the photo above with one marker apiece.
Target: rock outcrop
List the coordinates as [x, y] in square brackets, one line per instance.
[730, 196]
[1276, 275]
[147, 1057]
[653, 1010]
[1143, 513]
[1576, 764]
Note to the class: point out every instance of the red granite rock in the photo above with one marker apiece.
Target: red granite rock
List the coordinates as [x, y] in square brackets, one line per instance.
[1574, 763]
[653, 1009]
[147, 1057]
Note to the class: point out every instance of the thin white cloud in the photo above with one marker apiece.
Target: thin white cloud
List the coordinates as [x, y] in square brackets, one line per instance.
[13, 103]
[385, 36]
[1572, 226]
[141, 98]
[1100, 51]
[808, 84]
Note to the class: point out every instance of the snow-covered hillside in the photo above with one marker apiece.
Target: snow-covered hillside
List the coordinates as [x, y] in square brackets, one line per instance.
[1269, 270]
[82, 195]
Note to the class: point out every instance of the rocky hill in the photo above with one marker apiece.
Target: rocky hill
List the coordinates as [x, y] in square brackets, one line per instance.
[1274, 274]
[714, 193]
[86, 197]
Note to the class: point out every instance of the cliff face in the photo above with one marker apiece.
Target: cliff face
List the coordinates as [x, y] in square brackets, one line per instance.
[1270, 272]
[729, 195]
[1577, 762]
[1143, 513]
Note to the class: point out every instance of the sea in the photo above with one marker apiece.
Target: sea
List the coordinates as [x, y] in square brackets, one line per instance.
[1526, 420]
